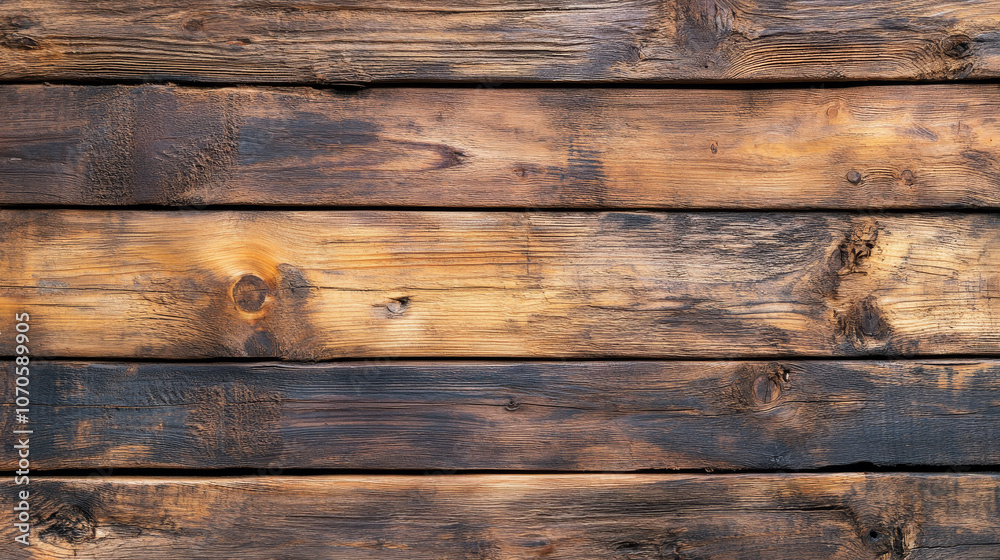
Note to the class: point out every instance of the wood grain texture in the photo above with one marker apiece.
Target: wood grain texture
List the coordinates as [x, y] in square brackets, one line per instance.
[319, 285]
[303, 41]
[584, 416]
[834, 516]
[908, 147]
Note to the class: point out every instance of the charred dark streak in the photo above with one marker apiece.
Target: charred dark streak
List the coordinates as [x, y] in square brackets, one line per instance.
[71, 524]
[194, 25]
[450, 157]
[235, 420]
[864, 325]
[702, 25]
[11, 36]
[151, 145]
[268, 8]
[17, 22]
[633, 54]
[293, 282]
[857, 247]
[261, 343]
[22, 42]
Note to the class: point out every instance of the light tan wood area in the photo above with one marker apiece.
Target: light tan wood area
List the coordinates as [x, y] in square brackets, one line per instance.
[319, 285]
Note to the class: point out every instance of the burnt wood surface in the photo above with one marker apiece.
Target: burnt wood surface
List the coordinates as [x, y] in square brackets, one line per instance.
[309, 42]
[926, 146]
[565, 416]
[431, 279]
[315, 285]
[606, 516]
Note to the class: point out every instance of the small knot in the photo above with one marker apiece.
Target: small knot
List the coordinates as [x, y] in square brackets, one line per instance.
[20, 42]
[957, 46]
[250, 293]
[758, 385]
[766, 389]
[714, 147]
[70, 524]
[889, 541]
[18, 22]
[398, 305]
[238, 44]
[512, 404]
[853, 177]
[864, 325]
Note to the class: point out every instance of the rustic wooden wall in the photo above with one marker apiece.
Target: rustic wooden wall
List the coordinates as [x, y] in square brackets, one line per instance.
[641, 279]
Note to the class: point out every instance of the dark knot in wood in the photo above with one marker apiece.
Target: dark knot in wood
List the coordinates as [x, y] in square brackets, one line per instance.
[71, 524]
[250, 293]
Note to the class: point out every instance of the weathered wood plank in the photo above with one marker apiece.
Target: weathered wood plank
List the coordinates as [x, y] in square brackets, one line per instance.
[305, 41]
[833, 516]
[859, 147]
[318, 285]
[614, 416]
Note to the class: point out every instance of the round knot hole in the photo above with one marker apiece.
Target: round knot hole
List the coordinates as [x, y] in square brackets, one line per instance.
[250, 292]
[766, 389]
[957, 46]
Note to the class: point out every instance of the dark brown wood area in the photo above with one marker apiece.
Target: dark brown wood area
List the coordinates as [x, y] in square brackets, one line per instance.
[686, 517]
[500, 280]
[569, 416]
[488, 41]
[927, 146]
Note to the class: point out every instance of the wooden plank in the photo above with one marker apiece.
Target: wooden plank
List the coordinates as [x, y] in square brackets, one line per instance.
[923, 146]
[319, 285]
[584, 416]
[829, 516]
[305, 41]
